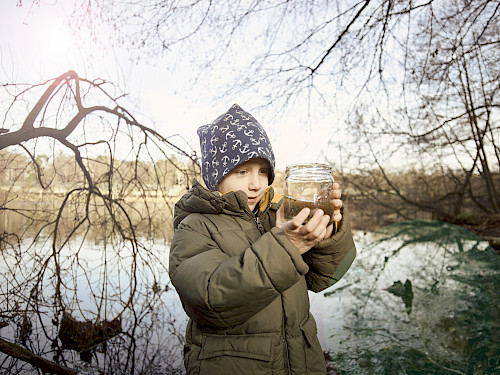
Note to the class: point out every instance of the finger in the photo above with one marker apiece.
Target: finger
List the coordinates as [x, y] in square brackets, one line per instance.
[337, 204]
[300, 218]
[320, 237]
[325, 233]
[317, 226]
[325, 220]
[329, 192]
[337, 216]
[336, 193]
[321, 230]
[314, 220]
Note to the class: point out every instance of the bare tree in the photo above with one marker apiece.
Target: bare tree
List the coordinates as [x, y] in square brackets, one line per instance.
[86, 216]
[423, 73]
[420, 76]
[445, 115]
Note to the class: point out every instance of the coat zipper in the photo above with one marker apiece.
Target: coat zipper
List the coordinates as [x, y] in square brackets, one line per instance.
[285, 345]
[259, 225]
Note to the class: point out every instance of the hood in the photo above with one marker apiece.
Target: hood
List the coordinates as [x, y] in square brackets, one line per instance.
[201, 200]
[230, 140]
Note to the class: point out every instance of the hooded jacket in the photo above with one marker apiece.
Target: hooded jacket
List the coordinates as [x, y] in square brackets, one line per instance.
[244, 285]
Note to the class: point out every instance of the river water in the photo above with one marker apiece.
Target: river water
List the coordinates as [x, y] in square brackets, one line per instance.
[420, 298]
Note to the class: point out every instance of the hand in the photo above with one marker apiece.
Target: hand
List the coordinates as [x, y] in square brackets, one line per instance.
[332, 195]
[335, 195]
[305, 236]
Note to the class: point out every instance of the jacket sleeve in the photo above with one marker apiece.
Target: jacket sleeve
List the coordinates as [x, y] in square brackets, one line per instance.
[221, 290]
[330, 259]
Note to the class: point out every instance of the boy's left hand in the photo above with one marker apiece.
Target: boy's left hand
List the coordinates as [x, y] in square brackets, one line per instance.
[334, 197]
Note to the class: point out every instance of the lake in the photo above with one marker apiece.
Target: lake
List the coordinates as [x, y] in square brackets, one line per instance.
[420, 298]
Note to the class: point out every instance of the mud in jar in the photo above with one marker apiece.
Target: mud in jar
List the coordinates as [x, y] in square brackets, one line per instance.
[307, 185]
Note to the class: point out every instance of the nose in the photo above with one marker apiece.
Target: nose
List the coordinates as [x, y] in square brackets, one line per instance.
[254, 184]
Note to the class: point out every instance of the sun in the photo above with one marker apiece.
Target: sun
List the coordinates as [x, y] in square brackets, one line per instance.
[57, 40]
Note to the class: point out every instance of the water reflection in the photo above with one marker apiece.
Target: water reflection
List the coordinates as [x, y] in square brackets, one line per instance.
[421, 298]
[101, 307]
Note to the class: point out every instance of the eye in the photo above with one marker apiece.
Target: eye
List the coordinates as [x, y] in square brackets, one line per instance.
[264, 171]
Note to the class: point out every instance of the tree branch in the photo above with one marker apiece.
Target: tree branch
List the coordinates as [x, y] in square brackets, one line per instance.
[30, 119]
[339, 38]
[25, 355]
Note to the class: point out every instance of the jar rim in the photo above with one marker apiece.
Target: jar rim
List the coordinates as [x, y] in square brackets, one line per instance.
[308, 165]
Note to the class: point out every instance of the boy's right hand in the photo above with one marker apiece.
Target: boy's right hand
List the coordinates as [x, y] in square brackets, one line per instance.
[304, 236]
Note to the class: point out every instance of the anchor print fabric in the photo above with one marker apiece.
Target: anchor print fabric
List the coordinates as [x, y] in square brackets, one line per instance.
[232, 139]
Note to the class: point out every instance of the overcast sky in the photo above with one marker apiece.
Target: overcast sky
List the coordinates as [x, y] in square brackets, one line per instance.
[37, 45]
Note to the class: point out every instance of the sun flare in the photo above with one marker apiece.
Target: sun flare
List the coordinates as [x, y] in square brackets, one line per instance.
[57, 41]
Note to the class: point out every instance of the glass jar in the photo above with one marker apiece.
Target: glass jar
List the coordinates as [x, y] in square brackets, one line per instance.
[307, 185]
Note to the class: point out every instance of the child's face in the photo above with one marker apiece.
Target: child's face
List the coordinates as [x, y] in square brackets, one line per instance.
[251, 177]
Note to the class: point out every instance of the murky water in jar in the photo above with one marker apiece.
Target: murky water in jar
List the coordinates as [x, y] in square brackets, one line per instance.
[293, 206]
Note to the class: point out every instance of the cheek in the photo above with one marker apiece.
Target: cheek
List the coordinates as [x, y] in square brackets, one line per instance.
[264, 180]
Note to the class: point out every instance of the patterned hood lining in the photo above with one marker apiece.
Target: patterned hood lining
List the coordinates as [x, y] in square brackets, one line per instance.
[232, 139]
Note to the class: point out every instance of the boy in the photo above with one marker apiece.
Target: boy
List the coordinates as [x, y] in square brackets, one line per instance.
[241, 271]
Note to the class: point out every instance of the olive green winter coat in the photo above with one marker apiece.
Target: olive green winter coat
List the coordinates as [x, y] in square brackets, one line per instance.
[244, 285]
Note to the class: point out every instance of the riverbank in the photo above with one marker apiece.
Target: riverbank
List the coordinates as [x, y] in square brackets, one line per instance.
[485, 226]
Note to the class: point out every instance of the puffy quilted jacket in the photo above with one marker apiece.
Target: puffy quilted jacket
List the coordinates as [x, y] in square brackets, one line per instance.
[244, 285]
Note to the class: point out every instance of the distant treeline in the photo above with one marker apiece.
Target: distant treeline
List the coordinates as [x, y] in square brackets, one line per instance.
[374, 198]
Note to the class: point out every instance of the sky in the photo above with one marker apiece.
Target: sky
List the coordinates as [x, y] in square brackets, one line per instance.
[36, 45]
